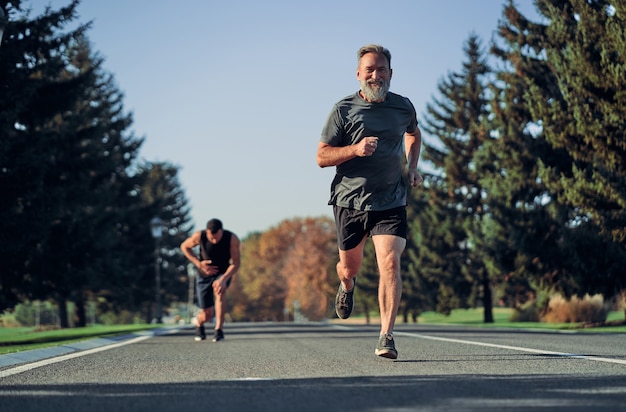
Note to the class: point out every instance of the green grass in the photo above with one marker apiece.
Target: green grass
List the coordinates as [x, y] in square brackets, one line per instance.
[474, 317]
[27, 338]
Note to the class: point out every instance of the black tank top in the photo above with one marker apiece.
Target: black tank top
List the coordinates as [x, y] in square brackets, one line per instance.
[218, 253]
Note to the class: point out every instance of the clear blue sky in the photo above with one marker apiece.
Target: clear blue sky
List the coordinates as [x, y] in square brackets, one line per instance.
[236, 92]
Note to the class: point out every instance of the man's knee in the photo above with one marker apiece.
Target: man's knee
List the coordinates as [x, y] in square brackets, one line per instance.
[350, 260]
[348, 269]
[389, 263]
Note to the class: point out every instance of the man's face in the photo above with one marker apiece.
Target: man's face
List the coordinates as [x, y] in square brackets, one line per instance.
[214, 237]
[374, 75]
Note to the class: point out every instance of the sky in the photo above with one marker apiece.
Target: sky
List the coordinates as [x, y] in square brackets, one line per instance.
[235, 93]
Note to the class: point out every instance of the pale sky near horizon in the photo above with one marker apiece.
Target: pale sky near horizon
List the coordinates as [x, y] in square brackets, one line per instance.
[235, 93]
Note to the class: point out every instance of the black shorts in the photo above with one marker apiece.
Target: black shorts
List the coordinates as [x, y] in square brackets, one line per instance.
[204, 291]
[353, 225]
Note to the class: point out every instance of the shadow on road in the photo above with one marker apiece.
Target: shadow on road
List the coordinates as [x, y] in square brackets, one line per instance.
[397, 393]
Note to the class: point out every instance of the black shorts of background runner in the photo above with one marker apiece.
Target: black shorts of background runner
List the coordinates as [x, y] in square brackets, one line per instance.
[353, 225]
[204, 291]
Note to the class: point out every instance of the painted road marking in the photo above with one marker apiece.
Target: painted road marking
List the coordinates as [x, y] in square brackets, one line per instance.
[515, 348]
[38, 364]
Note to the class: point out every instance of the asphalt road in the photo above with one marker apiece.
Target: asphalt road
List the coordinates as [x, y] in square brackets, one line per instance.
[328, 367]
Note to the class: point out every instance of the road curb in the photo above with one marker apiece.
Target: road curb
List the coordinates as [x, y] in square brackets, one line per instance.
[18, 358]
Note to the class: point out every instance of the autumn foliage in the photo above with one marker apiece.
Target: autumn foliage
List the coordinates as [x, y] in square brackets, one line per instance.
[291, 262]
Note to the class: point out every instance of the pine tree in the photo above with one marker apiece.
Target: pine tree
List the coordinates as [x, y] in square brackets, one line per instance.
[37, 91]
[584, 46]
[565, 65]
[458, 122]
[525, 224]
[74, 221]
[155, 192]
[434, 279]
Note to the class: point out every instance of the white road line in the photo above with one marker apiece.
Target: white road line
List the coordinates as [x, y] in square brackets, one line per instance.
[516, 348]
[38, 364]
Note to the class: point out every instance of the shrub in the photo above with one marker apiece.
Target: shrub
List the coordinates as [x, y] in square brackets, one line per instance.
[36, 313]
[7, 320]
[585, 309]
[528, 312]
[123, 317]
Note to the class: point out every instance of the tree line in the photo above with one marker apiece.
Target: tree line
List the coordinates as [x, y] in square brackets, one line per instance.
[524, 197]
[76, 199]
[528, 197]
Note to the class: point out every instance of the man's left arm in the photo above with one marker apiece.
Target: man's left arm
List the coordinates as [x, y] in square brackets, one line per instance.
[235, 260]
[413, 147]
[235, 257]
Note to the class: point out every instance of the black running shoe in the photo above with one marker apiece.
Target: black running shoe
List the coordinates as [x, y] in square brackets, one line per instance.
[386, 347]
[344, 301]
[200, 335]
[219, 335]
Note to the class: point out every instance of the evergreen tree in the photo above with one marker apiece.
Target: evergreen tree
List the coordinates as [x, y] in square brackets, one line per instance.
[458, 122]
[155, 192]
[575, 144]
[38, 91]
[525, 224]
[584, 46]
[172, 207]
[434, 279]
[75, 218]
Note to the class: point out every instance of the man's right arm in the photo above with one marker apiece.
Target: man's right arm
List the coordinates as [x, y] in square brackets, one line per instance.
[187, 248]
[328, 155]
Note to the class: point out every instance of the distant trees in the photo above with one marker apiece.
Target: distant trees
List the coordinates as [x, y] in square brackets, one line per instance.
[529, 163]
[285, 267]
[583, 114]
[525, 195]
[31, 74]
[433, 275]
[459, 121]
[75, 208]
[565, 72]
[154, 191]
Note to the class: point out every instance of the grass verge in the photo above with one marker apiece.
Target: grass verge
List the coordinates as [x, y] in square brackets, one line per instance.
[474, 317]
[501, 320]
[27, 338]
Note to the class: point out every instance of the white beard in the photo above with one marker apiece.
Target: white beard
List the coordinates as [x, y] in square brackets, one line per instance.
[375, 93]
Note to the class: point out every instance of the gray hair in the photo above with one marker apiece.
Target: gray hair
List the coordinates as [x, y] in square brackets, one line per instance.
[374, 48]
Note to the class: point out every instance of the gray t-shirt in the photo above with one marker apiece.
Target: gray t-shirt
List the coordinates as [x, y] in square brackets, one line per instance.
[374, 182]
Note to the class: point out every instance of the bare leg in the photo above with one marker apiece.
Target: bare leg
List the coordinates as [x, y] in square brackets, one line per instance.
[388, 251]
[200, 318]
[220, 308]
[204, 316]
[349, 265]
